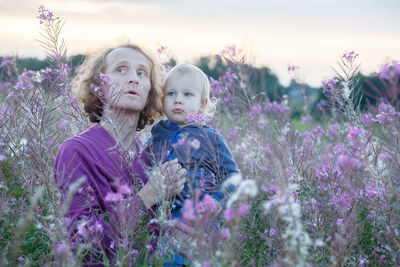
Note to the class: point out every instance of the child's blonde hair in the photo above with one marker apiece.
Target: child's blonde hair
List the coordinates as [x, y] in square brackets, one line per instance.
[209, 103]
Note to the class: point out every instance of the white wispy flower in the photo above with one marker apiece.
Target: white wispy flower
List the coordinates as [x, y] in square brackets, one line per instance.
[246, 188]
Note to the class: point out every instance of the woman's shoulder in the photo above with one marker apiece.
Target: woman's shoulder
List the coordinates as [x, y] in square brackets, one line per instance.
[92, 138]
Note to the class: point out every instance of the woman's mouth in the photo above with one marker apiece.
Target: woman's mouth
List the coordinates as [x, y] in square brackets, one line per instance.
[131, 92]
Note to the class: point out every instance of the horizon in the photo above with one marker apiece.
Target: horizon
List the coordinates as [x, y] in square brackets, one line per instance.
[310, 34]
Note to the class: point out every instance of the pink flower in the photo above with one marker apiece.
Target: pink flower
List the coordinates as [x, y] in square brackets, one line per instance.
[195, 144]
[229, 214]
[209, 202]
[243, 209]
[62, 249]
[180, 142]
[113, 197]
[188, 210]
[98, 227]
[199, 118]
[225, 233]
[272, 231]
[124, 189]
[63, 124]
[306, 119]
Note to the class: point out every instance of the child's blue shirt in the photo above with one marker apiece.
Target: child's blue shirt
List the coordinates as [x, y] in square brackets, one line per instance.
[207, 167]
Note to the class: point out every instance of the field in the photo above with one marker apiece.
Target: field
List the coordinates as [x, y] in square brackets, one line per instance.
[317, 191]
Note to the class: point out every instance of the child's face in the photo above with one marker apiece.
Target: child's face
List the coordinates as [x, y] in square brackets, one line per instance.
[182, 96]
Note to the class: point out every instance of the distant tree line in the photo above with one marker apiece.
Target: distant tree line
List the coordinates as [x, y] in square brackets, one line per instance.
[259, 80]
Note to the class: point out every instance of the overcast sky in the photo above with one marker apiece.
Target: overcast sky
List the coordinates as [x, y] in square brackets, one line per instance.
[311, 34]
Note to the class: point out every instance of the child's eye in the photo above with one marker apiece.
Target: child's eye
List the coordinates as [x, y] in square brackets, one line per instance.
[188, 94]
[170, 94]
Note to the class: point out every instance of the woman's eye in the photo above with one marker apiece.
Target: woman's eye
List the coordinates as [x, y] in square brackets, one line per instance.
[121, 70]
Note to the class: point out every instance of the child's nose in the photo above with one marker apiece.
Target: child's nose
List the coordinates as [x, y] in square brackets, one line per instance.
[178, 99]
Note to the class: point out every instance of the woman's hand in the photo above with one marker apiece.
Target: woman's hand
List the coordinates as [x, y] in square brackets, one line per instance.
[167, 181]
[174, 179]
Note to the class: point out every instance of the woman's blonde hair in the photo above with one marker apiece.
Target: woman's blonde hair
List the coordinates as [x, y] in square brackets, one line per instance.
[204, 83]
[94, 65]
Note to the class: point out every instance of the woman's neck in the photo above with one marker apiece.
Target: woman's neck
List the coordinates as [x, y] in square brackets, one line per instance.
[122, 126]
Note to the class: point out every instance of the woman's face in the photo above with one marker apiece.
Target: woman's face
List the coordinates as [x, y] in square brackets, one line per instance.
[129, 71]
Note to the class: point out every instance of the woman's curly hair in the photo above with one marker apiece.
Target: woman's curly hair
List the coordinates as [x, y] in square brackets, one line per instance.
[94, 65]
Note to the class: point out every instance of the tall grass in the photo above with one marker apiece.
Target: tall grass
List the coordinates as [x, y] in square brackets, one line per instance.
[322, 196]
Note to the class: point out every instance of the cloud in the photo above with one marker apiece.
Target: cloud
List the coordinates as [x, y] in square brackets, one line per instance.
[309, 33]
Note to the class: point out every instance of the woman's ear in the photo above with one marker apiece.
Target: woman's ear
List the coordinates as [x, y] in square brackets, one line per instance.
[203, 106]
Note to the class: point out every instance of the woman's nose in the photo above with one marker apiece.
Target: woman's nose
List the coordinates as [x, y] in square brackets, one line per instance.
[133, 79]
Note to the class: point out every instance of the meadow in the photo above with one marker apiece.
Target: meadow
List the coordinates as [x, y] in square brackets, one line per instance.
[312, 192]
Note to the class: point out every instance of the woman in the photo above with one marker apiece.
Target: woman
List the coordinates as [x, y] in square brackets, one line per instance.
[99, 168]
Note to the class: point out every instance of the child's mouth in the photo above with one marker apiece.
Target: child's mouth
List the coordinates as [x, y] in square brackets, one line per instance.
[177, 110]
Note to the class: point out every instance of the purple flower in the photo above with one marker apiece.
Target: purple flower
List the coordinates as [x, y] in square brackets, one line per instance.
[354, 132]
[199, 118]
[20, 259]
[62, 249]
[180, 142]
[63, 124]
[188, 210]
[329, 85]
[45, 15]
[374, 191]
[339, 222]
[98, 228]
[275, 107]
[209, 202]
[229, 214]
[194, 143]
[243, 209]
[113, 197]
[255, 110]
[5, 86]
[135, 252]
[306, 119]
[206, 264]
[272, 232]
[347, 162]
[350, 56]
[7, 61]
[226, 233]
[124, 189]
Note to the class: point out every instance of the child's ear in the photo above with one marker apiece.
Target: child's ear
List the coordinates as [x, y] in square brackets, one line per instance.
[203, 106]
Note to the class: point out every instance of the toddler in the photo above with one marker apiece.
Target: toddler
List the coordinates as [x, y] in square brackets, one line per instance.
[198, 148]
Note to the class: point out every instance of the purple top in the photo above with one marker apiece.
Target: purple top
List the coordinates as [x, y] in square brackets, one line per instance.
[94, 154]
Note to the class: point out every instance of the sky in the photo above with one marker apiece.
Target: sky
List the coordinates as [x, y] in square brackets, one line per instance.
[310, 34]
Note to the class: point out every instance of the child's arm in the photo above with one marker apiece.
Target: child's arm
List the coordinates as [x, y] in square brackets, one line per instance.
[224, 165]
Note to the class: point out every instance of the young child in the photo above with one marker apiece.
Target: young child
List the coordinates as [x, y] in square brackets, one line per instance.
[199, 148]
